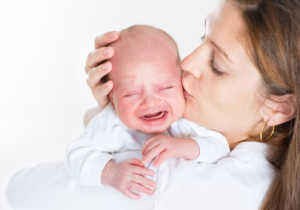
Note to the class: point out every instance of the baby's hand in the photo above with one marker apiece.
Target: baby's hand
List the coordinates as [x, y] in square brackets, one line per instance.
[167, 146]
[129, 175]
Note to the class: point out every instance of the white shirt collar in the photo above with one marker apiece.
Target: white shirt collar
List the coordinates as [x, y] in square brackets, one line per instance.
[250, 152]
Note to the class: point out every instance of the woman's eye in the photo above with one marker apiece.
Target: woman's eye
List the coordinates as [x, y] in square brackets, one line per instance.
[203, 38]
[216, 71]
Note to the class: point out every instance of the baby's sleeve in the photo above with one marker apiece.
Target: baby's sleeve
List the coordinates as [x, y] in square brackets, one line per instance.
[213, 145]
[87, 156]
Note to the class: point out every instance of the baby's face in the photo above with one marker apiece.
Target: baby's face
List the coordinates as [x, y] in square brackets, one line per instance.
[147, 92]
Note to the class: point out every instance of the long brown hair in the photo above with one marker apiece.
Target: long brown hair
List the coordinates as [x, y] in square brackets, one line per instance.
[273, 43]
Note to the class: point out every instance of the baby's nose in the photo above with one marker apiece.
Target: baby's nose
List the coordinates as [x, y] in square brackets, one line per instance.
[150, 101]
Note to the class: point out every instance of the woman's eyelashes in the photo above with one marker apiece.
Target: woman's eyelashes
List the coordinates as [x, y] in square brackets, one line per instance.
[216, 71]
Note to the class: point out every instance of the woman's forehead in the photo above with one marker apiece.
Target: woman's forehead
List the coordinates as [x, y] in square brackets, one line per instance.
[225, 31]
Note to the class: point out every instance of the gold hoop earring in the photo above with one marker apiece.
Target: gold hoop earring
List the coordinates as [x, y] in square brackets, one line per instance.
[262, 130]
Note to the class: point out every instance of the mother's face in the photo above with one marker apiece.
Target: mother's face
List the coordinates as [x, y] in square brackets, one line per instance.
[220, 80]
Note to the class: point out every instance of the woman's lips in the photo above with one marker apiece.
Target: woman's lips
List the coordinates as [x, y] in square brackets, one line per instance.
[186, 94]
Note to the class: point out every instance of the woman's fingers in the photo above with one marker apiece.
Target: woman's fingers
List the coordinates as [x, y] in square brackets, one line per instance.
[97, 56]
[100, 92]
[105, 39]
[97, 73]
[140, 188]
[131, 195]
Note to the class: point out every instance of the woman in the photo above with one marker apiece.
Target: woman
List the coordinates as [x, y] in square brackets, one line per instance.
[242, 81]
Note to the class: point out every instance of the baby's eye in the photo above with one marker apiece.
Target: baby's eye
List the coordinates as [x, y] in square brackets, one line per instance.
[131, 94]
[166, 88]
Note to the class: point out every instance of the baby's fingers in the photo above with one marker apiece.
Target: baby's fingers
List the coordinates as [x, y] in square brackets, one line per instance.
[143, 171]
[152, 154]
[147, 143]
[162, 157]
[140, 188]
[135, 161]
[142, 180]
[131, 195]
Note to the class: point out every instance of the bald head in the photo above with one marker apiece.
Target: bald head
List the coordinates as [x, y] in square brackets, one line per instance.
[143, 44]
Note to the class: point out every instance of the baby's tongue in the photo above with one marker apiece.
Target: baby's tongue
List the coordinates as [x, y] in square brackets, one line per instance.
[154, 116]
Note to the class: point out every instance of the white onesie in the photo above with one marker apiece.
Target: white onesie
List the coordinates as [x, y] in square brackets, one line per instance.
[107, 137]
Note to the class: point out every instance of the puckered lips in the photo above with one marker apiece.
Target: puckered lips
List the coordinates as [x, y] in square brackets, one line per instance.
[155, 118]
[186, 94]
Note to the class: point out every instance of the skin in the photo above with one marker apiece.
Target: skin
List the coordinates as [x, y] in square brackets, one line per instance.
[222, 90]
[148, 97]
[147, 94]
[223, 101]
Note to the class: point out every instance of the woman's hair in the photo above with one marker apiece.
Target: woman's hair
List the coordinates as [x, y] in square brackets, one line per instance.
[273, 43]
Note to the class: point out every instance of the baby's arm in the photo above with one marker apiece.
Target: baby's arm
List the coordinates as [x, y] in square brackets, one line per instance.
[190, 141]
[213, 145]
[88, 158]
[167, 146]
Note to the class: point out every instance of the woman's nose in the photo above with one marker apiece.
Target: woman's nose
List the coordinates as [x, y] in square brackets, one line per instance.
[150, 101]
[189, 64]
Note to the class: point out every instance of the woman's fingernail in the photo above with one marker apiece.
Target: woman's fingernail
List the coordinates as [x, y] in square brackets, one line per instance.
[104, 67]
[112, 34]
[106, 52]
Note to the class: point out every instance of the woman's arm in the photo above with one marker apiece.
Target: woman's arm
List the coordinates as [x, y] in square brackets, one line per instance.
[96, 67]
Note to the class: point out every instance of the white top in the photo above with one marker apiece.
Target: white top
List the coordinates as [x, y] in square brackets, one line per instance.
[106, 135]
[236, 182]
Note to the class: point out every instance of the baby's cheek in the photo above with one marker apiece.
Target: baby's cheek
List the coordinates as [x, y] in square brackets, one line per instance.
[177, 105]
[126, 114]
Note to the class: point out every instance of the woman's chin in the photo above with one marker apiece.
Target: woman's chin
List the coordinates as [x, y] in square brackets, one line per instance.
[189, 111]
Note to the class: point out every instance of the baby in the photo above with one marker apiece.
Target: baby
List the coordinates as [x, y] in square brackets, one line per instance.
[147, 100]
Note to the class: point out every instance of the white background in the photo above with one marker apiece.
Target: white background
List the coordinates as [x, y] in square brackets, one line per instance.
[43, 48]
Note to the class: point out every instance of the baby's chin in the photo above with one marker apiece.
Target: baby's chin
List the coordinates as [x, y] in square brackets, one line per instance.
[155, 130]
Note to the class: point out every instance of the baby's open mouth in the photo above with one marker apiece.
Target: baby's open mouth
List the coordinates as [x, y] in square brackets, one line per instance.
[155, 116]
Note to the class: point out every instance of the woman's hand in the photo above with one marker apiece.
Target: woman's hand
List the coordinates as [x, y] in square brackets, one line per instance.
[96, 72]
[127, 175]
[167, 146]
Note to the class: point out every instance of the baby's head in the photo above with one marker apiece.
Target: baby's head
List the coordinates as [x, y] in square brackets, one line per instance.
[147, 93]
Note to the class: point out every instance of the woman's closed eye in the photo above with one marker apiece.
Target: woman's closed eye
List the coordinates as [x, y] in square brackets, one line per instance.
[216, 71]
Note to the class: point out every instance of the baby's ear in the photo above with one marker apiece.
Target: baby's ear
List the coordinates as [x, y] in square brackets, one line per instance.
[111, 98]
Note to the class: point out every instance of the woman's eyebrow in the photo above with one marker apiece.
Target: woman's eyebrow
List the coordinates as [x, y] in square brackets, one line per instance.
[221, 51]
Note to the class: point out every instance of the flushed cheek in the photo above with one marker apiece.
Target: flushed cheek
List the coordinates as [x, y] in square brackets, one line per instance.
[127, 112]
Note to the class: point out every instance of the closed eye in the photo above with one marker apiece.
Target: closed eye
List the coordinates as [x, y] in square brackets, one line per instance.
[166, 88]
[131, 94]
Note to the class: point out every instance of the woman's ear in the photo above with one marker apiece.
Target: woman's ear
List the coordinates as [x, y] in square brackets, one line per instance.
[282, 110]
[111, 98]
